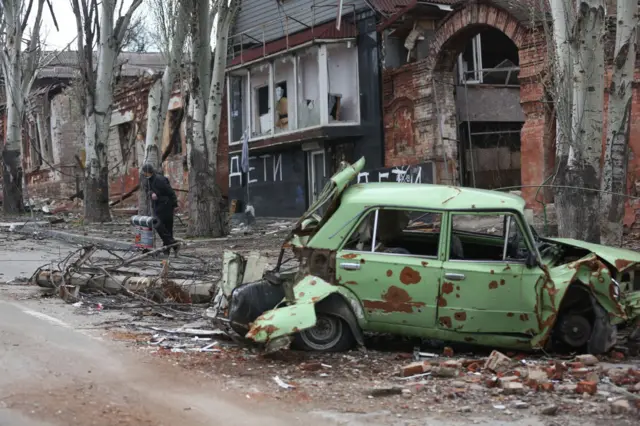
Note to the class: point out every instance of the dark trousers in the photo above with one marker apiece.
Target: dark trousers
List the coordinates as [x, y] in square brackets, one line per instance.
[164, 214]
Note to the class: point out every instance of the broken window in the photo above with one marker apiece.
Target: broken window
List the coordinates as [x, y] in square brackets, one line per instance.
[175, 129]
[394, 231]
[486, 237]
[283, 70]
[261, 112]
[126, 138]
[238, 104]
[308, 88]
[490, 57]
[34, 138]
[342, 69]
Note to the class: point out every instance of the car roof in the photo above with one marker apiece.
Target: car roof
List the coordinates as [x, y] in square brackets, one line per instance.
[438, 197]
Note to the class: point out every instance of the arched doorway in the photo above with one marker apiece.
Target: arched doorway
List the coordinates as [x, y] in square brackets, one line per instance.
[502, 138]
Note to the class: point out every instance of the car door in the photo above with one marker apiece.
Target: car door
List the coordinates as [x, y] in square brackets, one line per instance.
[481, 287]
[390, 261]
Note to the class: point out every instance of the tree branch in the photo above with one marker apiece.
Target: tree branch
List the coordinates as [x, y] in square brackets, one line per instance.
[123, 24]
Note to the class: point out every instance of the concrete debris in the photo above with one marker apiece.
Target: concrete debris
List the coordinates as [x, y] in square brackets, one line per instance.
[497, 362]
[587, 359]
[621, 406]
[550, 410]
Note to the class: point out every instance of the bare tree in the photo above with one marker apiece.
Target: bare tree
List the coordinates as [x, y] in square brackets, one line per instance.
[19, 71]
[206, 214]
[176, 25]
[137, 38]
[614, 177]
[96, 23]
[579, 47]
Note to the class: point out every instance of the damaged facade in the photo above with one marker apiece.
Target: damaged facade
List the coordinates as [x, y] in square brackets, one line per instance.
[53, 140]
[456, 89]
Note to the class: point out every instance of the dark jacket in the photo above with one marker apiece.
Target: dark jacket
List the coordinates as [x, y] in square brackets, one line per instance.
[160, 185]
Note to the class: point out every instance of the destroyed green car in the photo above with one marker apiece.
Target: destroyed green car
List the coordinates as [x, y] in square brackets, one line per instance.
[431, 261]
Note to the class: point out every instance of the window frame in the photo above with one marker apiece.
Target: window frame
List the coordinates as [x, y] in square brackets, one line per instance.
[364, 215]
[506, 213]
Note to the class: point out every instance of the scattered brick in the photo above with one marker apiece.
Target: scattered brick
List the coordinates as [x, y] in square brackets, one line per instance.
[587, 387]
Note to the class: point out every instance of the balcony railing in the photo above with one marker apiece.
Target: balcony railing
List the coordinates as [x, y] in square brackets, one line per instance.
[254, 44]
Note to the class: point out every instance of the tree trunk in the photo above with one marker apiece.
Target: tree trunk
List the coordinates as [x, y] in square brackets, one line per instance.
[11, 158]
[98, 121]
[158, 102]
[18, 70]
[614, 177]
[207, 213]
[579, 205]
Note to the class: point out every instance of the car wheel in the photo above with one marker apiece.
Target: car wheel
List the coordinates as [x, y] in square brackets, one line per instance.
[330, 334]
[574, 330]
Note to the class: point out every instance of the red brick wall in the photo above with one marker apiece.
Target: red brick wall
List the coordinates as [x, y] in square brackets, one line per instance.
[419, 104]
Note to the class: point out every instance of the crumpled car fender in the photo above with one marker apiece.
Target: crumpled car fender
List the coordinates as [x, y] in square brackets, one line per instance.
[291, 319]
[589, 272]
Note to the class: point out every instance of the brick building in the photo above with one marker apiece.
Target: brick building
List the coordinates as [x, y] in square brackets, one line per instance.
[53, 144]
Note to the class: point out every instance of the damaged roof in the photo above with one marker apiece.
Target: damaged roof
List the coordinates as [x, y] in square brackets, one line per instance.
[428, 196]
[64, 64]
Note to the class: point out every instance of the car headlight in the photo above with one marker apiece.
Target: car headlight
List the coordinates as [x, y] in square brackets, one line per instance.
[616, 290]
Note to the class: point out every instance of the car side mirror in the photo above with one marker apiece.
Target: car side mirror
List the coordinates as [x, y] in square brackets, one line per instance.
[531, 261]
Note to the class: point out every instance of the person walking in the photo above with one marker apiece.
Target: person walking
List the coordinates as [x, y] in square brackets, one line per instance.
[164, 201]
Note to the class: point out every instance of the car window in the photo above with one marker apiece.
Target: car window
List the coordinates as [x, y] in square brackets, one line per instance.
[486, 237]
[396, 231]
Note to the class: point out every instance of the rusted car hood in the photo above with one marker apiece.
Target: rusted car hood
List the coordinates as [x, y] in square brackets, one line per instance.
[621, 258]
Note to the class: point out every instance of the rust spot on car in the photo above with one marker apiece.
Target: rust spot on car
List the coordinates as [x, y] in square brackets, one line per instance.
[469, 339]
[524, 317]
[509, 314]
[460, 316]
[622, 264]
[313, 282]
[389, 272]
[447, 288]
[507, 268]
[458, 296]
[493, 285]
[458, 287]
[394, 299]
[492, 272]
[301, 294]
[424, 263]
[268, 329]
[351, 283]
[409, 276]
[362, 261]
[349, 256]
[442, 302]
[501, 282]
[295, 330]
[314, 299]
[473, 206]
[445, 321]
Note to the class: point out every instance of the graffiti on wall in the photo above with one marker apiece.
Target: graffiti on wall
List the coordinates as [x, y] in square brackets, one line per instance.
[421, 173]
[270, 165]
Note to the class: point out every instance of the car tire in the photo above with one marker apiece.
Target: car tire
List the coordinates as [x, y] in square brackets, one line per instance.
[330, 334]
[574, 330]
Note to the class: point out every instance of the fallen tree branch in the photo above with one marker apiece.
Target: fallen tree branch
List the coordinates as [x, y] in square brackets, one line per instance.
[144, 255]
